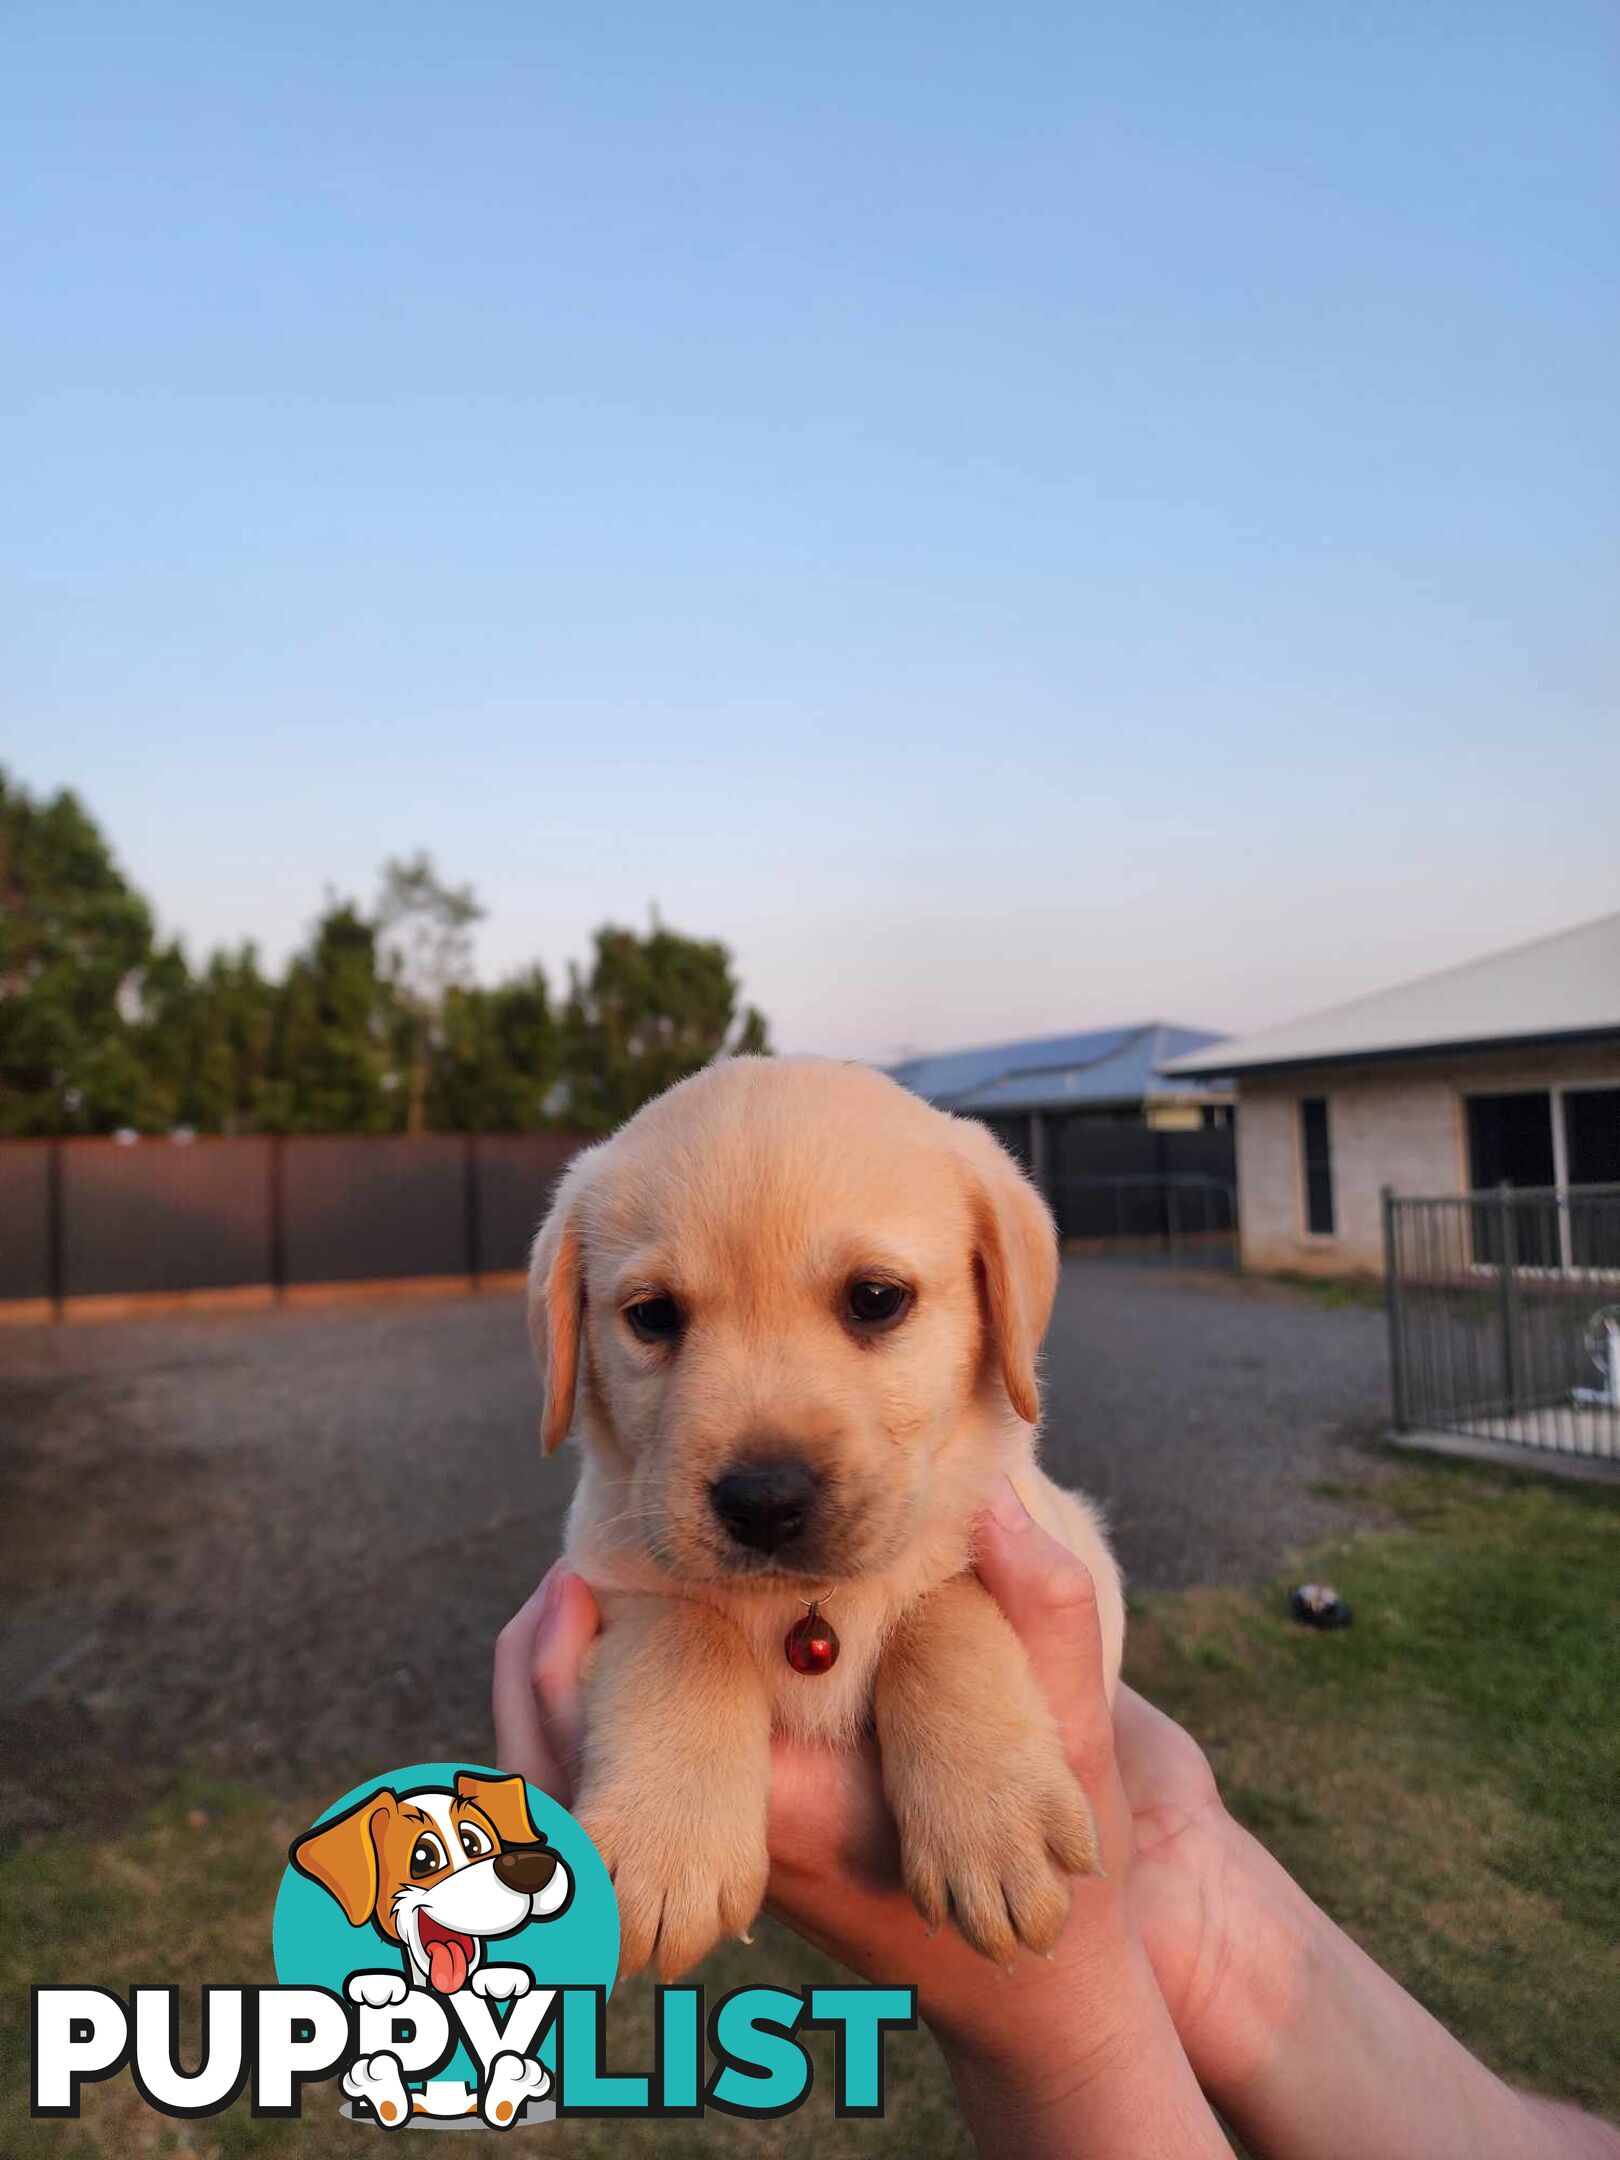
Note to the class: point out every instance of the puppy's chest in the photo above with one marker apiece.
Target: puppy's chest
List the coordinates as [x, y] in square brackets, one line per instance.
[835, 1707]
[832, 1707]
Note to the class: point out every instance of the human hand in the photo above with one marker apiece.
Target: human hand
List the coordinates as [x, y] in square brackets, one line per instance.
[835, 1874]
[1304, 2043]
[1190, 1888]
[1220, 1921]
[835, 1861]
[1024, 2041]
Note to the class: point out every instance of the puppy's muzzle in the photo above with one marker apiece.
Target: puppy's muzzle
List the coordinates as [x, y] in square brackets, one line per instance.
[766, 1506]
[525, 1868]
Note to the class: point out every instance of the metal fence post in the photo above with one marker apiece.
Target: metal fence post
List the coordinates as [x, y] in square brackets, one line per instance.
[277, 1257]
[1509, 1299]
[55, 1254]
[1392, 1306]
[469, 1202]
[1039, 1165]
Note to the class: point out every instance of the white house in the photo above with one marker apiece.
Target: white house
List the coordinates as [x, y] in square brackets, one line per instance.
[1503, 1071]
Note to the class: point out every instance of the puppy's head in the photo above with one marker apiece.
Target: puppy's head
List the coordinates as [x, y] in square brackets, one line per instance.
[438, 1871]
[791, 1294]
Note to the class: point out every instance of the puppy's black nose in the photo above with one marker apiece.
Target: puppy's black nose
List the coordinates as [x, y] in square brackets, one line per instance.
[765, 1505]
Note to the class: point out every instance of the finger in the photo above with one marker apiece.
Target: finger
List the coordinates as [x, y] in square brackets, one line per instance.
[1051, 1601]
[520, 1738]
[567, 1629]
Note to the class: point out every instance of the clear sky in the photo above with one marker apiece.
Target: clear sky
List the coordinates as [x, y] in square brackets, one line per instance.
[1015, 517]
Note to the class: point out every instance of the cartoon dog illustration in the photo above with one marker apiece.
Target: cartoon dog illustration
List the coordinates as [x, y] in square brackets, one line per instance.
[439, 1874]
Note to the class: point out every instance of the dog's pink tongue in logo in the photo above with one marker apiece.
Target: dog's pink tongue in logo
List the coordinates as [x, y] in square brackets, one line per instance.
[448, 1955]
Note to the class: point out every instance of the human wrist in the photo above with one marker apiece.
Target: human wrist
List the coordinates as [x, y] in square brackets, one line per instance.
[1250, 1982]
[1008, 2022]
[1092, 2064]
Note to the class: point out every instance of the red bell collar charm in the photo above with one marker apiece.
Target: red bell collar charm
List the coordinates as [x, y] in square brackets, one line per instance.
[810, 1645]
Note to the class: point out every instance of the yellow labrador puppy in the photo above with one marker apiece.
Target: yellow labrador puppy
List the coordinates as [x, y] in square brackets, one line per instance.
[799, 1310]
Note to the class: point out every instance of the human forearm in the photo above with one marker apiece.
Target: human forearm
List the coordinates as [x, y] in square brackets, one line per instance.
[1305, 2047]
[1312, 2052]
[1045, 2092]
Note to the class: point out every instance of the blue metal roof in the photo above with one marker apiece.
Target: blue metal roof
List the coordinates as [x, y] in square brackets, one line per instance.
[1107, 1065]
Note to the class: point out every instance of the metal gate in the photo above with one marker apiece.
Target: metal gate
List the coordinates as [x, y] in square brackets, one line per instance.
[1185, 1221]
[1504, 1317]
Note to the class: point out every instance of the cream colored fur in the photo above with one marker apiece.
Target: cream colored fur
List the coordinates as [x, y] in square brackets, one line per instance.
[754, 1193]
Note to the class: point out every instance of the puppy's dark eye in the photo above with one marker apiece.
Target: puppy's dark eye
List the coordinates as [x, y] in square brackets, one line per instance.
[427, 1855]
[872, 1304]
[655, 1319]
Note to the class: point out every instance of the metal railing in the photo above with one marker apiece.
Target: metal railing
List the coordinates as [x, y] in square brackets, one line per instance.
[1187, 1220]
[1504, 1317]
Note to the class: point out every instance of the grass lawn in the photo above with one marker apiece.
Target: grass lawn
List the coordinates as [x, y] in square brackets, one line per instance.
[1334, 1291]
[1443, 1777]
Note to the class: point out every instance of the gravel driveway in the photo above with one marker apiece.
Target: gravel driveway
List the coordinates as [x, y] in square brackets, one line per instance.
[284, 1541]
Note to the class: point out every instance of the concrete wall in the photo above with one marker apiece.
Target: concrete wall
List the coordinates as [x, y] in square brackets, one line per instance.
[1400, 1124]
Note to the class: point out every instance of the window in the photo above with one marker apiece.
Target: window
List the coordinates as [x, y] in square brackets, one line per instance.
[1542, 1137]
[1592, 1135]
[1318, 1163]
[1510, 1140]
[1592, 1157]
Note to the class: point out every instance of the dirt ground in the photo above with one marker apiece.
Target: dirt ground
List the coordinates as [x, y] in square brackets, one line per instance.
[274, 1543]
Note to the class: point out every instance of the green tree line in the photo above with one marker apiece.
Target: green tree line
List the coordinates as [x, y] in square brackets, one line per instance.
[376, 1025]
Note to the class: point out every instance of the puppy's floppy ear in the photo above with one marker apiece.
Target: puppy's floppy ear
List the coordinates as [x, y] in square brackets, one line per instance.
[1016, 1246]
[504, 1801]
[342, 1855]
[557, 1300]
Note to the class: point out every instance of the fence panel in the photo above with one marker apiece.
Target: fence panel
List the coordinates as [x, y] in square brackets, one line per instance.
[515, 1173]
[1120, 1179]
[1184, 1220]
[164, 1215]
[1504, 1314]
[25, 1219]
[371, 1207]
[1102, 1178]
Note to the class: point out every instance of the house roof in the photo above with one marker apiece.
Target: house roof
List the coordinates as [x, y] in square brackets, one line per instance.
[1567, 984]
[1053, 1072]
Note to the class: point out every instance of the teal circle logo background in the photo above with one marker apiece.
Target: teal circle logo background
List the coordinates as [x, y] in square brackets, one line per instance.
[316, 1947]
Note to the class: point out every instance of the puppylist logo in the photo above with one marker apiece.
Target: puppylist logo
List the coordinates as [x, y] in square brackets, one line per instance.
[458, 1887]
[446, 1939]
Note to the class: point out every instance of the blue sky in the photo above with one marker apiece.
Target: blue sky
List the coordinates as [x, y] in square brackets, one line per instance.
[1015, 518]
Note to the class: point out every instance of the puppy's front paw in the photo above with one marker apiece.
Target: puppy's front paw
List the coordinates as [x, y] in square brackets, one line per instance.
[993, 1847]
[513, 2080]
[377, 1990]
[376, 2080]
[684, 1875]
[496, 1982]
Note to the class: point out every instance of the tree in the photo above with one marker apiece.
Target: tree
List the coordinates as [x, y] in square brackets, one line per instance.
[426, 931]
[332, 1067]
[376, 1026]
[753, 1036]
[73, 936]
[165, 1040]
[243, 1005]
[652, 1010]
[494, 1058]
